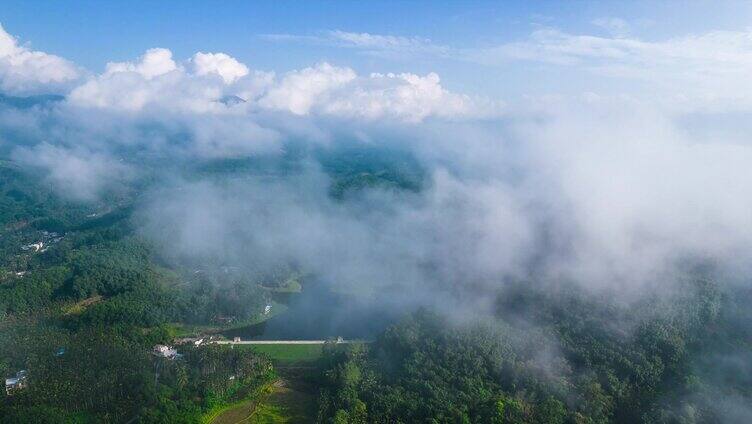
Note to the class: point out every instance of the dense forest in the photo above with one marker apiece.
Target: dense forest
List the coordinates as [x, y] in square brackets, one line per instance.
[84, 298]
[82, 311]
[566, 362]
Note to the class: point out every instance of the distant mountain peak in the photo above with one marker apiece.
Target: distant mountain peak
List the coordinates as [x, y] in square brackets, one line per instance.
[232, 100]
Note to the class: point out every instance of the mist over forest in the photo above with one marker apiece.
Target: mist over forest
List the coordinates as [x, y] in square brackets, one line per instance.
[552, 259]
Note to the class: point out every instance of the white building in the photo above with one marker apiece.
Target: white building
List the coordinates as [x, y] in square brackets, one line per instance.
[18, 382]
[164, 351]
[36, 247]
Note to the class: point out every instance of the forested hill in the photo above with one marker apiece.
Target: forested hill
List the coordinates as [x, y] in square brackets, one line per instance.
[566, 362]
[82, 302]
[84, 297]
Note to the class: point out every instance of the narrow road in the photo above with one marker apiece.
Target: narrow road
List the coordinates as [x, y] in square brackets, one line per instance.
[284, 342]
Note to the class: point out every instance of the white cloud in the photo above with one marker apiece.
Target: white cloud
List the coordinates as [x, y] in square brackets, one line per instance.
[395, 47]
[364, 39]
[153, 63]
[713, 49]
[556, 47]
[369, 41]
[131, 91]
[329, 90]
[155, 80]
[639, 195]
[298, 91]
[221, 64]
[406, 96]
[23, 70]
[229, 136]
[695, 71]
[77, 172]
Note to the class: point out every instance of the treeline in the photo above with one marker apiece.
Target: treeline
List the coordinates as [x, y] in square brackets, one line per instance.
[355, 169]
[84, 314]
[94, 376]
[25, 199]
[120, 272]
[551, 357]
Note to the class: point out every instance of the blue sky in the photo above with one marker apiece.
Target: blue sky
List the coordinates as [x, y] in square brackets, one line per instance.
[92, 33]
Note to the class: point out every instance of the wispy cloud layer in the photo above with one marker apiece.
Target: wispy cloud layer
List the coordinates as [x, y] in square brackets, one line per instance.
[375, 44]
[694, 70]
[607, 191]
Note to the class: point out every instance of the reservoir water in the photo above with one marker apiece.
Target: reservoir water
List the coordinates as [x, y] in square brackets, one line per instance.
[319, 313]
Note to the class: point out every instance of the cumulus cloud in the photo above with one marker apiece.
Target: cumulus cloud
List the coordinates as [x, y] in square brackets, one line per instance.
[409, 96]
[153, 63]
[23, 70]
[336, 91]
[298, 91]
[203, 84]
[227, 67]
[156, 81]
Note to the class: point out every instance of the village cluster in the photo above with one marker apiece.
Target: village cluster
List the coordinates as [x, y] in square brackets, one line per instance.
[48, 239]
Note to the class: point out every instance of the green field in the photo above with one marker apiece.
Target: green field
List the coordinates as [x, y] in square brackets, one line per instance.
[232, 414]
[288, 354]
[288, 403]
[240, 410]
[291, 399]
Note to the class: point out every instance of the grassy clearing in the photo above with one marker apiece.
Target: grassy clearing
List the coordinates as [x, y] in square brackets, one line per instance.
[291, 399]
[285, 405]
[237, 411]
[234, 414]
[230, 414]
[285, 401]
[286, 354]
